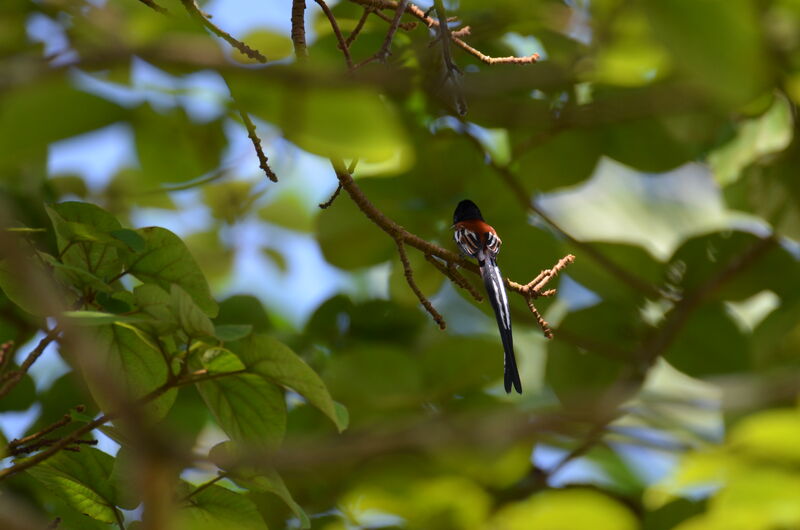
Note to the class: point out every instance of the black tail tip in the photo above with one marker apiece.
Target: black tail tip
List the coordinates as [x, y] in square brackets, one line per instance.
[512, 379]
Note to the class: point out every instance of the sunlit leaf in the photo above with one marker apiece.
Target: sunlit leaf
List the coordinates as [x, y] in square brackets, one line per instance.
[82, 480]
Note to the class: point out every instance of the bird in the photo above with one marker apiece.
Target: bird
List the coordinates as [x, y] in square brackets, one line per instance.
[477, 239]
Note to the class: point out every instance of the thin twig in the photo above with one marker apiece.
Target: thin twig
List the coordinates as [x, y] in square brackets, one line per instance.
[5, 349]
[385, 50]
[251, 133]
[409, 274]
[400, 235]
[12, 378]
[337, 32]
[407, 26]
[194, 10]
[432, 23]
[152, 5]
[203, 486]
[327, 203]
[359, 27]
[50, 428]
[451, 272]
[196, 377]
[299, 29]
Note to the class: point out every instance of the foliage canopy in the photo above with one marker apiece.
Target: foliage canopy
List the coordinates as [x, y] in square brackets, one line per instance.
[165, 385]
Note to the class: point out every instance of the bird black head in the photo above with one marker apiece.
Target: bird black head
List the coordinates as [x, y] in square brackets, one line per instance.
[465, 211]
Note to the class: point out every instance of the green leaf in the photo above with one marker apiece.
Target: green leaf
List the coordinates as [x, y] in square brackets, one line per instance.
[220, 360]
[341, 224]
[718, 44]
[349, 122]
[155, 302]
[66, 110]
[97, 318]
[22, 396]
[91, 249]
[274, 360]
[586, 509]
[77, 277]
[288, 210]
[131, 360]
[232, 332]
[216, 507]
[166, 260]
[710, 344]
[255, 480]
[247, 407]
[275, 46]
[193, 321]
[82, 479]
[22, 294]
[565, 159]
[134, 241]
[601, 342]
[173, 148]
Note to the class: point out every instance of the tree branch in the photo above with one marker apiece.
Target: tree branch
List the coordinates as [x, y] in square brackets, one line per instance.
[251, 133]
[337, 32]
[409, 274]
[433, 23]
[154, 6]
[385, 50]
[299, 29]
[12, 378]
[402, 236]
[194, 10]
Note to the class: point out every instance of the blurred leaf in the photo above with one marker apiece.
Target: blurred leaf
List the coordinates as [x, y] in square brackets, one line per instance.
[768, 133]
[173, 148]
[232, 332]
[268, 481]
[230, 201]
[216, 507]
[341, 224]
[130, 361]
[710, 343]
[770, 435]
[275, 46]
[69, 185]
[578, 508]
[241, 309]
[165, 260]
[289, 211]
[82, 480]
[700, 259]
[668, 516]
[332, 122]
[724, 56]
[274, 361]
[443, 502]
[22, 396]
[215, 258]
[564, 159]
[373, 381]
[66, 110]
[591, 355]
